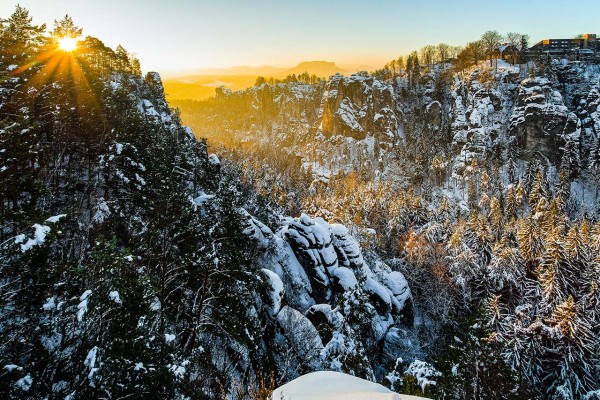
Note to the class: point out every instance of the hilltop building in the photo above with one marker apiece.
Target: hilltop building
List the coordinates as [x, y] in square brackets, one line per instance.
[583, 48]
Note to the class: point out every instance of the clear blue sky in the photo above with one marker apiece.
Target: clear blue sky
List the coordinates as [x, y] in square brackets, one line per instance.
[183, 34]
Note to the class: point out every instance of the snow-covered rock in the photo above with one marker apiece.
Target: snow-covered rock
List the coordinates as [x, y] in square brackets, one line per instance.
[540, 118]
[276, 291]
[329, 385]
[318, 266]
[358, 106]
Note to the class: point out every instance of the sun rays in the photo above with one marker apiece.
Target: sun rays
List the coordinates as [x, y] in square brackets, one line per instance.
[62, 62]
[67, 44]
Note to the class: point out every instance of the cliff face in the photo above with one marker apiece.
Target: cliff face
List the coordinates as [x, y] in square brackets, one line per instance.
[360, 106]
[536, 116]
[540, 118]
[315, 265]
[350, 123]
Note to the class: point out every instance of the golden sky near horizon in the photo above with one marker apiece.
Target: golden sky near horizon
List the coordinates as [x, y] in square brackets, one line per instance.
[187, 34]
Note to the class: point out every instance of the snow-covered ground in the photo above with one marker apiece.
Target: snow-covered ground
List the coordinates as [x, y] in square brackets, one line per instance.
[329, 385]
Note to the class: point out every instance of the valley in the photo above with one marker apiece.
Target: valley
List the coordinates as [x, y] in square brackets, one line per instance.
[426, 229]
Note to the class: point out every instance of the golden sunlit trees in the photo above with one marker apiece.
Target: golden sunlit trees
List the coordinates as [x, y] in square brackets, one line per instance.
[491, 40]
[66, 28]
[427, 54]
[18, 33]
[472, 53]
[122, 59]
[443, 53]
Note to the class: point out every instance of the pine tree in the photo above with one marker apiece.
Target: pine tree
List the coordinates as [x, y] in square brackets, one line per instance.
[537, 190]
[510, 209]
[511, 171]
[558, 276]
[19, 34]
[66, 28]
[122, 59]
[495, 217]
[570, 163]
[568, 370]
[136, 68]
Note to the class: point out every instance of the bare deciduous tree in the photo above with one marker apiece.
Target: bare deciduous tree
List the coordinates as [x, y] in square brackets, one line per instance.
[491, 40]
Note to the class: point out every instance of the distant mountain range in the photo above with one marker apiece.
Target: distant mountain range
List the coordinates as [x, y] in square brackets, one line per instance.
[201, 83]
[323, 69]
[320, 68]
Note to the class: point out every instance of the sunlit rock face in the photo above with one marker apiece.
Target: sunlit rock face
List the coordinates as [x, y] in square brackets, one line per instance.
[359, 106]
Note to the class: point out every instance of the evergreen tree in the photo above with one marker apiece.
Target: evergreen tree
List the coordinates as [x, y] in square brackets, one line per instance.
[66, 28]
[538, 190]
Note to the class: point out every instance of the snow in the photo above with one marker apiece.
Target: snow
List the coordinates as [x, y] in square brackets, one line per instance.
[50, 304]
[376, 288]
[276, 292]
[51, 342]
[90, 362]
[102, 212]
[381, 325]
[56, 218]
[255, 229]
[114, 296]
[455, 370]
[397, 283]
[299, 284]
[25, 383]
[179, 370]
[155, 305]
[346, 278]
[83, 305]
[330, 385]
[345, 242]
[169, 337]
[347, 114]
[140, 179]
[12, 367]
[398, 286]
[203, 198]
[38, 238]
[423, 372]
[214, 160]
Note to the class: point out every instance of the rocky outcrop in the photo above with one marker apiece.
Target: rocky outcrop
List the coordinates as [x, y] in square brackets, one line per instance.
[313, 267]
[571, 79]
[478, 116]
[540, 118]
[494, 111]
[359, 106]
[588, 111]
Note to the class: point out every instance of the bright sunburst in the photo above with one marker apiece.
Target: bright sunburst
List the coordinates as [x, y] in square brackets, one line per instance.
[67, 44]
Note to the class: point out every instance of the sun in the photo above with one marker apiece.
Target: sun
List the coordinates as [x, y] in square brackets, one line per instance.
[67, 44]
